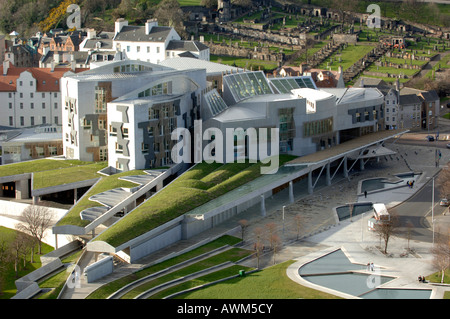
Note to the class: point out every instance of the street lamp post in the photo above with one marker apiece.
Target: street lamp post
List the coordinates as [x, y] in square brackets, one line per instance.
[432, 208]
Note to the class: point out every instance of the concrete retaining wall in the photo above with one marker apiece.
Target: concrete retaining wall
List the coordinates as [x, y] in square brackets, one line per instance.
[99, 269]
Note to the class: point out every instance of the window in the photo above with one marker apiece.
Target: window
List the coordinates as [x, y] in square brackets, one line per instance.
[157, 49]
[138, 49]
[128, 48]
[22, 121]
[10, 105]
[148, 49]
[11, 123]
[119, 148]
[103, 154]
[31, 83]
[56, 105]
[43, 94]
[53, 150]
[32, 95]
[32, 105]
[32, 120]
[100, 99]
[125, 132]
[56, 120]
[144, 148]
[43, 105]
[112, 130]
[44, 120]
[21, 105]
[21, 95]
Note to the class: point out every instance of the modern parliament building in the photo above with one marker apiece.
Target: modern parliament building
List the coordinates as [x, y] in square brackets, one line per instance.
[124, 112]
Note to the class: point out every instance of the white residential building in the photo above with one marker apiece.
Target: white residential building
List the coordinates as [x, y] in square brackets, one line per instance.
[153, 43]
[30, 96]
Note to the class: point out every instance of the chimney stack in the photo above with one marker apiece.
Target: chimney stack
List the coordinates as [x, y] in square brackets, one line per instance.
[150, 24]
[5, 67]
[120, 23]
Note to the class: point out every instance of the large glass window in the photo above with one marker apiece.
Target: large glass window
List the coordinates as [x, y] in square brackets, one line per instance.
[100, 99]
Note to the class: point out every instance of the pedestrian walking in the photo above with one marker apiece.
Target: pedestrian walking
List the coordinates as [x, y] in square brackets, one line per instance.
[365, 194]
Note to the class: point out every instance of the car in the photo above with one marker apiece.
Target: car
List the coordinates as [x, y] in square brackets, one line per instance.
[444, 202]
[430, 138]
[448, 145]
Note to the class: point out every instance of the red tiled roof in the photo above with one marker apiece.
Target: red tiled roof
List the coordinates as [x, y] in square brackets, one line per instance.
[47, 81]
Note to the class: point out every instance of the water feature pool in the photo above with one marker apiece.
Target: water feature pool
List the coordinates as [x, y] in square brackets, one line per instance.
[343, 212]
[374, 184]
[337, 272]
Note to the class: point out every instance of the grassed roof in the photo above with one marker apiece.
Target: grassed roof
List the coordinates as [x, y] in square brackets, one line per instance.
[39, 165]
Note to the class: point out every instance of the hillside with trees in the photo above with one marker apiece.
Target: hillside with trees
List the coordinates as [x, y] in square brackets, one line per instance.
[29, 16]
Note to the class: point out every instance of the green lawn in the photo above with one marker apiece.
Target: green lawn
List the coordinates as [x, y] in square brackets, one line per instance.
[249, 64]
[67, 175]
[38, 166]
[194, 188]
[349, 55]
[106, 183]
[392, 70]
[233, 255]
[200, 281]
[106, 290]
[269, 283]
[7, 274]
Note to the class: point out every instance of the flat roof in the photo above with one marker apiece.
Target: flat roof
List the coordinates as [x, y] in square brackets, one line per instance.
[313, 95]
[212, 68]
[346, 147]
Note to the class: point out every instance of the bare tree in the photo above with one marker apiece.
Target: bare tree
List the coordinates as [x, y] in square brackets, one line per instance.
[244, 225]
[351, 206]
[271, 232]
[443, 182]
[298, 224]
[5, 257]
[441, 255]
[170, 14]
[387, 228]
[276, 245]
[259, 245]
[36, 220]
[19, 248]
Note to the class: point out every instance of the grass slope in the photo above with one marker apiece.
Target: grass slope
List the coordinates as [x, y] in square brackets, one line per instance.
[270, 283]
[194, 188]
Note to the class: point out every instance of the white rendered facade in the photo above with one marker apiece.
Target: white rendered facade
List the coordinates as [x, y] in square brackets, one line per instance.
[141, 122]
[153, 43]
[91, 117]
[30, 99]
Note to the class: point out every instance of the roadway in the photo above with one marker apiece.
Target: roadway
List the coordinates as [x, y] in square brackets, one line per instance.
[415, 215]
